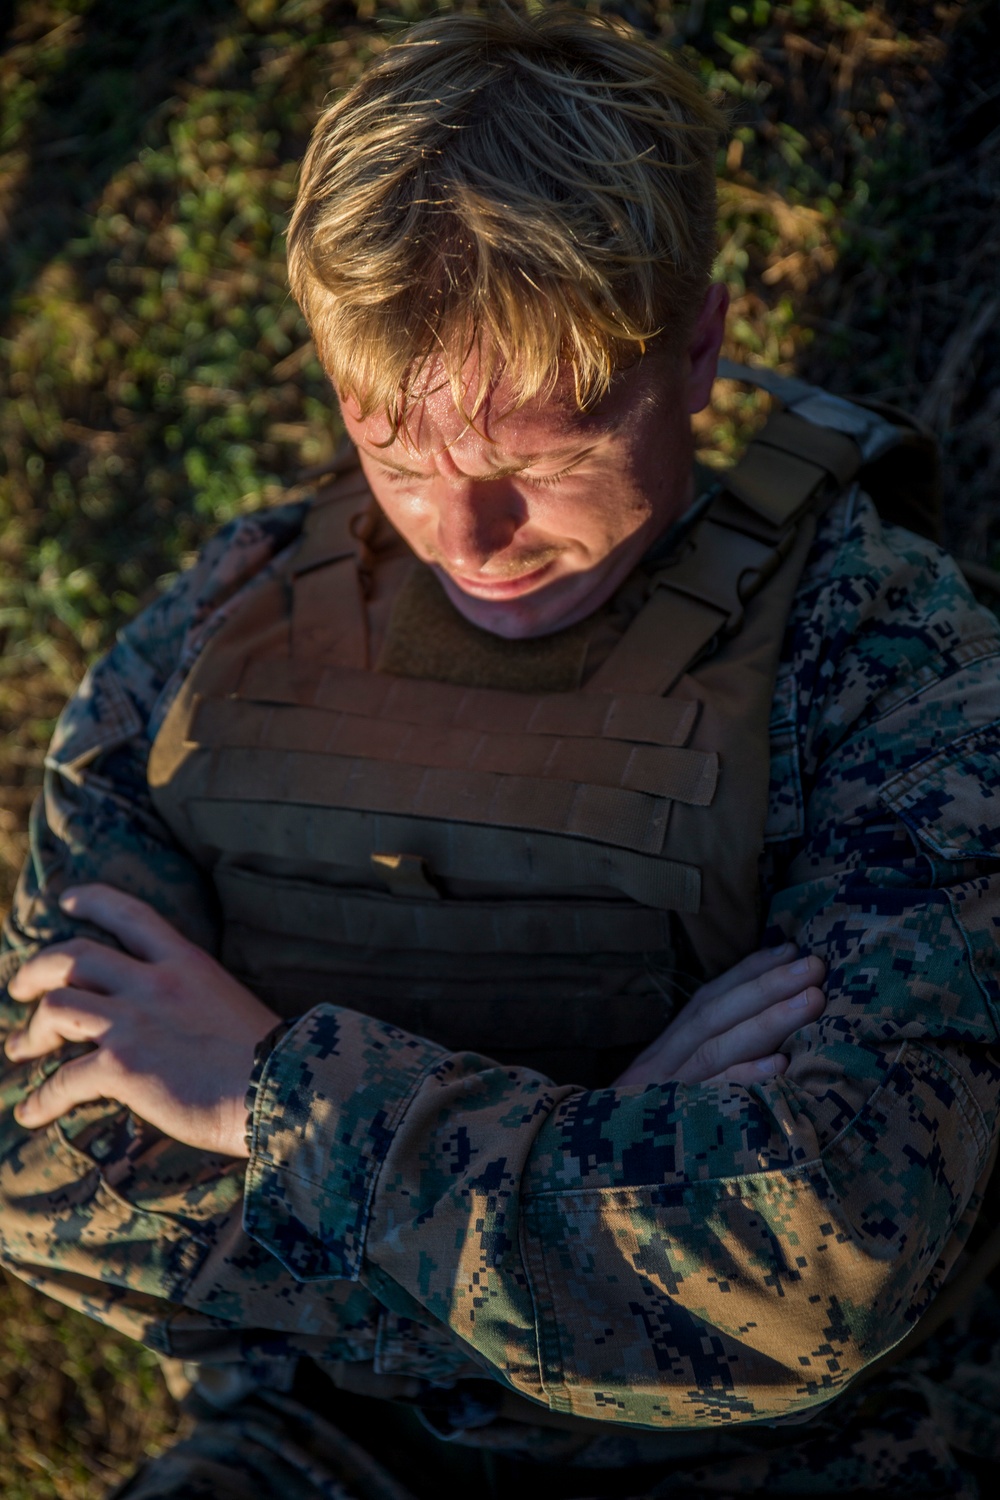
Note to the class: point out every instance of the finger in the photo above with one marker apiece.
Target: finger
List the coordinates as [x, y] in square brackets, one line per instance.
[81, 962]
[756, 1071]
[753, 997]
[702, 1020]
[65, 1015]
[748, 1073]
[78, 1082]
[748, 968]
[134, 923]
[759, 1036]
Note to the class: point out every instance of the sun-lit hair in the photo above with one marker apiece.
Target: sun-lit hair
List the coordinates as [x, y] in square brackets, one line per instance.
[539, 191]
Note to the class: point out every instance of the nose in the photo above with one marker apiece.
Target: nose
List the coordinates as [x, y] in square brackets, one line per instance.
[476, 520]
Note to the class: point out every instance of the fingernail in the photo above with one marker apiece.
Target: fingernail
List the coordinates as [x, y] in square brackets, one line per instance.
[766, 1066]
[785, 948]
[801, 965]
[801, 1002]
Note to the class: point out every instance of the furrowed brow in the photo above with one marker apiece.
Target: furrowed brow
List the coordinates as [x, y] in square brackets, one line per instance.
[569, 454]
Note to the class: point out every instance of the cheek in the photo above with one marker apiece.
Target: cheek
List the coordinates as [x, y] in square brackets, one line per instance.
[410, 514]
[599, 518]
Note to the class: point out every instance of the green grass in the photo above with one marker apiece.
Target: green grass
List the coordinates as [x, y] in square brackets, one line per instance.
[155, 377]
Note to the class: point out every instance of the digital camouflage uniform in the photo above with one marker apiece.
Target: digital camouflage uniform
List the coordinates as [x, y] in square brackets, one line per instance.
[656, 1291]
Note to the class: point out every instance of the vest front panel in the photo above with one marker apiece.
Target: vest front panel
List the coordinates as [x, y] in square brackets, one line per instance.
[519, 873]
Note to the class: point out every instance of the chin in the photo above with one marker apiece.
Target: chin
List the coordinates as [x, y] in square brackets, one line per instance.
[513, 619]
[535, 614]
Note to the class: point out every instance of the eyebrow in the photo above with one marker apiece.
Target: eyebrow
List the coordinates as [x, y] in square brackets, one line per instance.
[571, 453]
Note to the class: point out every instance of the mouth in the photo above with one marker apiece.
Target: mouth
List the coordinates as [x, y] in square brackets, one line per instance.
[503, 588]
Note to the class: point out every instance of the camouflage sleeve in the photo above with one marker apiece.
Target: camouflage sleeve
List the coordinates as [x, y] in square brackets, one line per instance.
[94, 819]
[684, 1256]
[77, 1200]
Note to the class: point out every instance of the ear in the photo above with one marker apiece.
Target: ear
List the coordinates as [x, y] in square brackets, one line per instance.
[704, 345]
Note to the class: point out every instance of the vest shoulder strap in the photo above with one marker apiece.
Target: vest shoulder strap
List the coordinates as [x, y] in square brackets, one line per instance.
[803, 457]
[749, 528]
[893, 457]
[328, 615]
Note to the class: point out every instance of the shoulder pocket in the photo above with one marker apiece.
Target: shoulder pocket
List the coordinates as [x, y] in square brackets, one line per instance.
[951, 801]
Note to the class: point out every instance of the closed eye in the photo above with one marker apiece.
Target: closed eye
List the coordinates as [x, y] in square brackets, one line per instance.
[396, 475]
[550, 478]
[400, 476]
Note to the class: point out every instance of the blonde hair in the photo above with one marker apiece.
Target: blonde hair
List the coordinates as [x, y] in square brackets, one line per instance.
[539, 191]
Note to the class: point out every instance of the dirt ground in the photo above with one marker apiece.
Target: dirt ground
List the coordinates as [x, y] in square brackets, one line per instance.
[155, 377]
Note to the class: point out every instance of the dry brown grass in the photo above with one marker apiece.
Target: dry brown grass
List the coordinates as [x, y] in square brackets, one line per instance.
[78, 1408]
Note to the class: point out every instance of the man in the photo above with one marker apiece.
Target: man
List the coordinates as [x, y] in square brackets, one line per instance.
[461, 772]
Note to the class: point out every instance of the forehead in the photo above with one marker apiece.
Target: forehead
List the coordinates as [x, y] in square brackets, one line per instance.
[547, 423]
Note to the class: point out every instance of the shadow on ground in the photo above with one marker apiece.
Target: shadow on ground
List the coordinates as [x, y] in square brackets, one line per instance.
[113, 67]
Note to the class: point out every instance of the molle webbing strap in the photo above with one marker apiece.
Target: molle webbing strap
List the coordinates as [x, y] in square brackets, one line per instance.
[304, 909]
[681, 775]
[613, 815]
[775, 485]
[439, 705]
[328, 616]
[873, 427]
[524, 860]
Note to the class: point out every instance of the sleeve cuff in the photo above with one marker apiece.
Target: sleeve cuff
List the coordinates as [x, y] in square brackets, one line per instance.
[329, 1101]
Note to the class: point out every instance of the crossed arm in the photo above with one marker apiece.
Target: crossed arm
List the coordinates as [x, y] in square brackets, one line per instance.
[174, 1033]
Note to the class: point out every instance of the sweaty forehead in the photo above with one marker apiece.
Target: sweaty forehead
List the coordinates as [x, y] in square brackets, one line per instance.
[539, 430]
[547, 426]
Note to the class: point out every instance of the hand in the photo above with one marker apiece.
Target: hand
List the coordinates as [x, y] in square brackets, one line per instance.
[732, 1029]
[174, 1033]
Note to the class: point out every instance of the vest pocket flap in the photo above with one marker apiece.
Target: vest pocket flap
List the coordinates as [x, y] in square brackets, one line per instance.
[455, 851]
[369, 920]
[951, 801]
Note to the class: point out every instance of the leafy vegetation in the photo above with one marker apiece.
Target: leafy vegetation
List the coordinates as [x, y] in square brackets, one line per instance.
[155, 376]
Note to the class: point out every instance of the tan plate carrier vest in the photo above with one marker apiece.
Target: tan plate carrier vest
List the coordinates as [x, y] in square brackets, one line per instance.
[538, 876]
